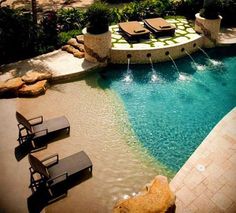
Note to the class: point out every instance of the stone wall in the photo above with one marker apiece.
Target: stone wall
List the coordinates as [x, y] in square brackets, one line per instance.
[139, 56]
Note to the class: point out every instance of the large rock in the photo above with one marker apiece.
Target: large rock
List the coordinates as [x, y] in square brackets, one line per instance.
[74, 51]
[10, 87]
[73, 42]
[80, 39]
[33, 76]
[33, 89]
[156, 198]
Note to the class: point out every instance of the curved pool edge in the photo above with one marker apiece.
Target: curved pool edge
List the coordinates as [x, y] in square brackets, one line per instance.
[125, 128]
[207, 179]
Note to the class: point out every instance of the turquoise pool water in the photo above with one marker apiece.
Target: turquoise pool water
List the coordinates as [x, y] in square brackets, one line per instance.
[172, 112]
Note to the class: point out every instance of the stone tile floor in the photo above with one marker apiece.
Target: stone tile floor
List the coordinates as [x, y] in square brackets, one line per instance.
[206, 182]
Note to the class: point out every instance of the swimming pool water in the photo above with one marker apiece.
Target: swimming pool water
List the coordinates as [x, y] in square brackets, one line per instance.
[171, 115]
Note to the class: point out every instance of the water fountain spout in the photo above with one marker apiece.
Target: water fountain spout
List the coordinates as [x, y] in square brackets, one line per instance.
[128, 63]
[154, 77]
[212, 61]
[128, 76]
[199, 67]
[204, 52]
[177, 69]
[182, 77]
[194, 62]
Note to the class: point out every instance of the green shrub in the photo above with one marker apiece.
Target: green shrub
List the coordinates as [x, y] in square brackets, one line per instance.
[228, 12]
[140, 10]
[187, 8]
[98, 17]
[49, 29]
[70, 19]
[16, 35]
[65, 36]
[117, 1]
[210, 9]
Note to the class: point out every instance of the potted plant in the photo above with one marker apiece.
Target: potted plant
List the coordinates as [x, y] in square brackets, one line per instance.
[208, 22]
[210, 9]
[98, 17]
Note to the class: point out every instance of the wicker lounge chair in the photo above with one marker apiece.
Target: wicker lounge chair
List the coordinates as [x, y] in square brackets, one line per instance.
[54, 176]
[159, 26]
[133, 30]
[31, 130]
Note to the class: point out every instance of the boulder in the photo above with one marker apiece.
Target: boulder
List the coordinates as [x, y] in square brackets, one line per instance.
[33, 76]
[79, 54]
[14, 83]
[33, 89]
[73, 42]
[156, 198]
[74, 51]
[80, 39]
[10, 87]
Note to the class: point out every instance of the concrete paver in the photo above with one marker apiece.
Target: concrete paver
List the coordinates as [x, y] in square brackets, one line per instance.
[207, 179]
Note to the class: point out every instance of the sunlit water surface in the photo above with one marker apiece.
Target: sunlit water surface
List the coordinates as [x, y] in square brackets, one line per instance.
[173, 109]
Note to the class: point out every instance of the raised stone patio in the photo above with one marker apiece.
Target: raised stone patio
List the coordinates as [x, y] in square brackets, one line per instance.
[185, 37]
[184, 32]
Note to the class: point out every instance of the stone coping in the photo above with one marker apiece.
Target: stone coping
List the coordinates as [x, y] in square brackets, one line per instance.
[206, 182]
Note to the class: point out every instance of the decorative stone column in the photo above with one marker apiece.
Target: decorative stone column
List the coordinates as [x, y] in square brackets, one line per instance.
[210, 28]
[97, 46]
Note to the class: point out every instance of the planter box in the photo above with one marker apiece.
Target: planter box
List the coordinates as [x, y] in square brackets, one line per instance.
[209, 27]
[97, 46]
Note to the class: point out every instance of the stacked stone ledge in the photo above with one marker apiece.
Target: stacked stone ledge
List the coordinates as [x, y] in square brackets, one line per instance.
[31, 84]
[75, 46]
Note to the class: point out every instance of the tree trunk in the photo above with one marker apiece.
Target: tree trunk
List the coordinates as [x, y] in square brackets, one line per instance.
[34, 11]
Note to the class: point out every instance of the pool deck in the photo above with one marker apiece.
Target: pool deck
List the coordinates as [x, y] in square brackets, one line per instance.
[61, 64]
[227, 36]
[206, 182]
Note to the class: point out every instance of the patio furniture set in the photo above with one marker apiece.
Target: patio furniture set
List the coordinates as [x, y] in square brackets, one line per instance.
[133, 30]
[51, 174]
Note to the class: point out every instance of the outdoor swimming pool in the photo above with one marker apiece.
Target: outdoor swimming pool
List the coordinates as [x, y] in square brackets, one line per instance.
[171, 111]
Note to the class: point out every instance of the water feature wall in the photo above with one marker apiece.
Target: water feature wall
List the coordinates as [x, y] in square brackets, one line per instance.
[139, 56]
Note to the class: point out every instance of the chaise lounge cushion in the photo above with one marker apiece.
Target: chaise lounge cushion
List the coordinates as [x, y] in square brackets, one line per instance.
[133, 29]
[159, 26]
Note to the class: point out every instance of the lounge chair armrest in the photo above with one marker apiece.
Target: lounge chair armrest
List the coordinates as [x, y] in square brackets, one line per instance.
[51, 180]
[36, 120]
[20, 127]
[53, 159]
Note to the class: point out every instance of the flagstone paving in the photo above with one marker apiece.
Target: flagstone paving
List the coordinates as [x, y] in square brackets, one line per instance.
[184, 32]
